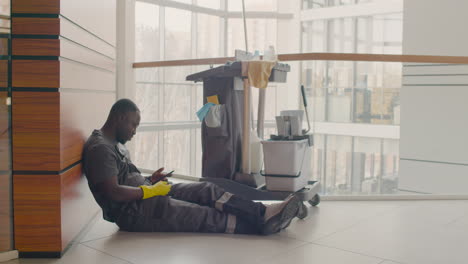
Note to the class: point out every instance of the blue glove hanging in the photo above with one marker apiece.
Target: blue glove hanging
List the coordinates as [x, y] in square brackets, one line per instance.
[204, 110]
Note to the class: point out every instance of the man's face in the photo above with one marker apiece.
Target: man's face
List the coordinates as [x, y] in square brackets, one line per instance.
[127, 125]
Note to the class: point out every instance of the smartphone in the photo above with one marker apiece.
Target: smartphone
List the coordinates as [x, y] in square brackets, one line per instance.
[169, 174]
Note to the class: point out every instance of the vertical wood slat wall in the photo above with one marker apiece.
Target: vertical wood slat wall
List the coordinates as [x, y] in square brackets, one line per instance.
[6, 216]
[57, 99]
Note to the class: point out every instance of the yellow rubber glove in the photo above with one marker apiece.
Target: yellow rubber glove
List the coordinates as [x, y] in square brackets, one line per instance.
[161, 188]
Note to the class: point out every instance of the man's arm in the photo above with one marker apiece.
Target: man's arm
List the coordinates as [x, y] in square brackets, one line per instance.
[122, 193]
[119, 193]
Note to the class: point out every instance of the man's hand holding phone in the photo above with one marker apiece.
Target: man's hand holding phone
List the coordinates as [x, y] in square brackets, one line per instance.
[159, 175]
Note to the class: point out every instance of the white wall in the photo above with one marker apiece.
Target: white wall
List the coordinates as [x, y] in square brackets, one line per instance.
[434, 112]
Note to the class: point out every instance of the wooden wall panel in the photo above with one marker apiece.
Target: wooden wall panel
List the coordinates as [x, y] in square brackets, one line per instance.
[75, 197]
[36, 6]
[6, 216]
[36, 73]
[36, 47]
[3, 73]
[50, 127]
[71, 143]
[88, 12]
[35, 26]
[4, 134]
[3, 46]
[36, 133]
[37, 213]
[78, 122]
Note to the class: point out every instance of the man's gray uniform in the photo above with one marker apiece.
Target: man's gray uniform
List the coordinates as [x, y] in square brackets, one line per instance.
[189, 207]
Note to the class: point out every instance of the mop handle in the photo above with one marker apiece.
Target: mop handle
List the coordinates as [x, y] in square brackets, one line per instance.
[305, 108]
[245, 27]
[304, 99]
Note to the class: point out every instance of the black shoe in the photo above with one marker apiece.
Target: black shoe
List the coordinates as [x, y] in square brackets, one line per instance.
[282, 215]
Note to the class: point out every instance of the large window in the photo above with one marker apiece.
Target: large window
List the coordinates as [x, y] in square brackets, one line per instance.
[342, 95]
[350, 95]
[169, 133]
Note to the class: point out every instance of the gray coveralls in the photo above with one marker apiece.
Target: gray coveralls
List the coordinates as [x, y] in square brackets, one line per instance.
[189, 207]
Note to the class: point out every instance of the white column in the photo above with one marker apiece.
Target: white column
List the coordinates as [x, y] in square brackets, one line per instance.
[125, 49]
[125, 77]
[434, 127]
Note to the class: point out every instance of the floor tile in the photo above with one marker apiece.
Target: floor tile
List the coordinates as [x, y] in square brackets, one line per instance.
[332, 216]
[168, 248]
[77, 254]
[428, 213]
[100, 229]
[402, 239]
[312, 253]
[461, 222]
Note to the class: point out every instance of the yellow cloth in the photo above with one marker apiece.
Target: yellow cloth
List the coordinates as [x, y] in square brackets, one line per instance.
[259, 72]
[159, 189]
[213, 99]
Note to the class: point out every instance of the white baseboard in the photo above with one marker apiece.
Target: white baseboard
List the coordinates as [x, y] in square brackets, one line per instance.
[9, 255]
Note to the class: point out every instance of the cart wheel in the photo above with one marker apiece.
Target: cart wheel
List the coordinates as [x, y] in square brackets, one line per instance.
[303, 211]
[315, 200]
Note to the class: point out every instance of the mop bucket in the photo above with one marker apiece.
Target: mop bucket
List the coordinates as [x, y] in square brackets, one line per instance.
[284, 164]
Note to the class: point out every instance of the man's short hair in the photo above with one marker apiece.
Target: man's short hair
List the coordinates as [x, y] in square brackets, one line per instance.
[123, 106]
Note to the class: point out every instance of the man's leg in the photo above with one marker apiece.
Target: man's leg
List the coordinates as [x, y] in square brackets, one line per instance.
[269, 219]
[164, 214]
[209, 194]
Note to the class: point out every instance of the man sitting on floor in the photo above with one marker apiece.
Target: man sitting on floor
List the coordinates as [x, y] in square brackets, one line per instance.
[150, 204]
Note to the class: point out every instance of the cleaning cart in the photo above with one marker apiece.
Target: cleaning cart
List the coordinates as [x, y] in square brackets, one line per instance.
[226, 147]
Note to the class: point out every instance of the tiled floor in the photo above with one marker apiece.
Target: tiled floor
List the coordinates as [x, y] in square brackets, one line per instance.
[391, 232]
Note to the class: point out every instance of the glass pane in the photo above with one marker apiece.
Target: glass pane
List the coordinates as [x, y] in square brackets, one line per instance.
[341, 35]
[215, 4]
[177, 151]
[147, 100]
[253, 5]
[147, 44]
[391, 158]
[178, 34]
[380, 34]
[337, 166]
[198, 100]
[318, 157]
[357, 92]
[309, 4]
[314, 38]
[184, 1]
[177, 103]
[147, 150]
[177, 74]
[208, 36]
[148, 75]
[261, 34]
[339, 92]
[377, 92]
